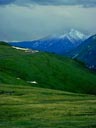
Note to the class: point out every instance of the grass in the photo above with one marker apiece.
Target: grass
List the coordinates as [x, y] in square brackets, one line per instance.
[48, 70]
[31, 107]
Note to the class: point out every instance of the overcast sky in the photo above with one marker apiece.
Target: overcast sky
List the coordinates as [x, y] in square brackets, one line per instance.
[33, 19]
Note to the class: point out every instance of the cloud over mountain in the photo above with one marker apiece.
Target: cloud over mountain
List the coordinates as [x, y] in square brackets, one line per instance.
[34, 19]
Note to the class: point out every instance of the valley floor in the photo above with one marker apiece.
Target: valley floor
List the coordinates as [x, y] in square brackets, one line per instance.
[30, 107]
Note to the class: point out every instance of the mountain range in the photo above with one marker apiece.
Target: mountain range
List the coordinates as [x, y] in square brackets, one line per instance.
[73, 44]
[55, 44]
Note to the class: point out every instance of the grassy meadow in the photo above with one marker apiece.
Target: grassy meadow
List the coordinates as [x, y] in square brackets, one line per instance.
[31, 107]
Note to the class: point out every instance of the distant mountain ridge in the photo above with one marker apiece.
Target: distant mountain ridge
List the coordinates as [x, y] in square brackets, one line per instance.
[86, 52]
[55, 44]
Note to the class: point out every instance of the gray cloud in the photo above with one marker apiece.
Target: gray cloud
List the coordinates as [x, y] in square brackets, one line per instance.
[45, 17]
[23, 23]
[85, 3]
[4, 2]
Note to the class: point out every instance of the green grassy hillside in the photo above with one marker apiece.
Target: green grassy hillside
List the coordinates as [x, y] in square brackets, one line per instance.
[27, 105]
[48, 70]
[30, 107]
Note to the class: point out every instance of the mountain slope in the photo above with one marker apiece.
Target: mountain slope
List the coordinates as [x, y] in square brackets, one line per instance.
[48, 70]
[55, 44]
[86, 52]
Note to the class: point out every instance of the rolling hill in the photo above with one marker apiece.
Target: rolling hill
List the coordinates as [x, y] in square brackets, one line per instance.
[44, 70]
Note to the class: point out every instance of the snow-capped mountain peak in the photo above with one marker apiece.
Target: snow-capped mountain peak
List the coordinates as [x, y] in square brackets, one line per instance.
[73, 34]
[77, 35]
[59, 44]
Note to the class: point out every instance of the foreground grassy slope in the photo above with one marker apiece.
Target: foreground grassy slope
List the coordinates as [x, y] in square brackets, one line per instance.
[48, 70]
[30, 107]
